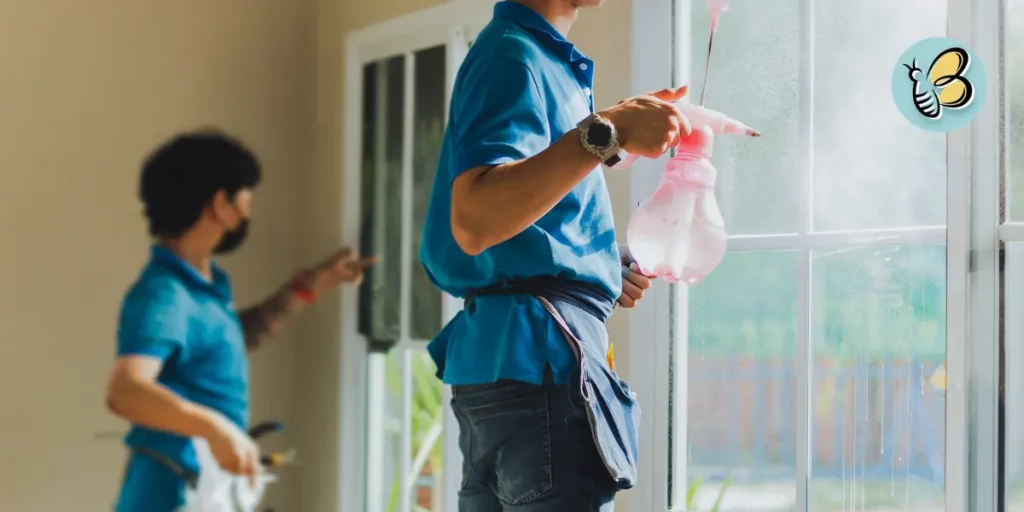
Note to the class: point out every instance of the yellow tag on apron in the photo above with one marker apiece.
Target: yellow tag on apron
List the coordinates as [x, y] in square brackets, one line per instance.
[611, 356]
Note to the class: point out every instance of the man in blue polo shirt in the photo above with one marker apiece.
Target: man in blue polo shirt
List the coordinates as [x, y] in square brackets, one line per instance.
[181, 370]
[520, 224]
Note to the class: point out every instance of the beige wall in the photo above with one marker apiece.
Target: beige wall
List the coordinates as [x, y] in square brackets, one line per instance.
[86, 89]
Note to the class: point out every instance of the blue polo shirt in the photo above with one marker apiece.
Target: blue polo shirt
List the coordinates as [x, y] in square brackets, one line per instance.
[521, 87]
[177, 315]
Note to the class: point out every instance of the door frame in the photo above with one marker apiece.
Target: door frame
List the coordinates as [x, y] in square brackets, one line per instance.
[452, 24]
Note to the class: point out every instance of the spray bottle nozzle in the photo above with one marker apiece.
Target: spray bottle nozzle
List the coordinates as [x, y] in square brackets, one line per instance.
[716, 7]
[716, 121]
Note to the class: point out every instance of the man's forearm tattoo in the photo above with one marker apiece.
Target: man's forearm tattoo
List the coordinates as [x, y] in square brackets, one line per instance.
[261, 321]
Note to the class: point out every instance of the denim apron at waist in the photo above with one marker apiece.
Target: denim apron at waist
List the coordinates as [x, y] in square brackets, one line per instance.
[581, 310]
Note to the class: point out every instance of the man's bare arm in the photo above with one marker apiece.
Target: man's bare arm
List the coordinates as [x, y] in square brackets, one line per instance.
[134, 394]
[492, 204]
[262, 321]
[265, 319]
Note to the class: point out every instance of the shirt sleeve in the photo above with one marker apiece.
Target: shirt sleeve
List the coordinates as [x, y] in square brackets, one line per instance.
[499, 115]
[154, 322]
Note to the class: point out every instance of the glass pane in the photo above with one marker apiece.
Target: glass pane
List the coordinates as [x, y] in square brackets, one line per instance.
[872, 170]
[754, 77]
[386, 279]
[742, 384]
[878, 403]
[382, 216]
[368, 184]
[428, 132]
[1015, 94]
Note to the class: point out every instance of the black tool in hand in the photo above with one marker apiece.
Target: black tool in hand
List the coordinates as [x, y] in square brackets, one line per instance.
[265, 428]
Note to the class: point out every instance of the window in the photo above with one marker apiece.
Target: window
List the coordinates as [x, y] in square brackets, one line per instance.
[403, 123]
[809, 371]
[834, 285]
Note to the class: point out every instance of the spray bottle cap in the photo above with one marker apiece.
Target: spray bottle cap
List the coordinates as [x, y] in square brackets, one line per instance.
[699, 142]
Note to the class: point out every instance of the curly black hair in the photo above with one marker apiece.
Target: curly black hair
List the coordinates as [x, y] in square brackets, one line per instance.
[183, 175]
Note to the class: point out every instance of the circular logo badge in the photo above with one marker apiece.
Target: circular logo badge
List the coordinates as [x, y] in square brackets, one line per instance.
[938, 84]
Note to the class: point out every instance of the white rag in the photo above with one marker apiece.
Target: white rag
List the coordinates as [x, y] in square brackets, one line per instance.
[220, 491]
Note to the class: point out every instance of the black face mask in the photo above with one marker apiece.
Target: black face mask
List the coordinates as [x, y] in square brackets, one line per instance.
[233, 238]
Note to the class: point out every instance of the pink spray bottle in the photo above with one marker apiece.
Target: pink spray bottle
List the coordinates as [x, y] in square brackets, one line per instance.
[678, 233]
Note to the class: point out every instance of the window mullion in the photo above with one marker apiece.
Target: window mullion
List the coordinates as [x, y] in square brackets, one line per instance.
[804, 364]
[824, 240]
[986, 152]
[806, 207]
[405, 442]
[678, 331]
[649, 323]
[408, 119]
[804, 356]
[961, 288]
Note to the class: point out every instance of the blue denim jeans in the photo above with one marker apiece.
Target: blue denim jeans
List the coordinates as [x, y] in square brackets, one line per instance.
[529, 448]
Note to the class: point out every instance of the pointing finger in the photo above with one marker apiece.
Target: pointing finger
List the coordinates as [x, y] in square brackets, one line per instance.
[367, 261]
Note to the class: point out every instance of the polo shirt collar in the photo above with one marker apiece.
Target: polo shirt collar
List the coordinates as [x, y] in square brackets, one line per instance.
[536, 24]
[219, 285]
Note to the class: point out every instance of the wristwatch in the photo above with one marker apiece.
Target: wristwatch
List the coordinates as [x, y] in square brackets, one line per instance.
[599, 138]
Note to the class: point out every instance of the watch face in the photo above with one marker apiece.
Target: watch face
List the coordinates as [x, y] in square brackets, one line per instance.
[599, 135]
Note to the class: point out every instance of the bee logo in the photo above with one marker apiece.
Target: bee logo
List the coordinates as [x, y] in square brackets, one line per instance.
[943, 95]
[945, 86]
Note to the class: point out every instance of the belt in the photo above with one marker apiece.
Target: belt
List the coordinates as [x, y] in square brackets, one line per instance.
[587, 296]
[190, 477]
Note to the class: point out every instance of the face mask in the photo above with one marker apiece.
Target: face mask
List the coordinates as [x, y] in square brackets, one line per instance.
[233, 238]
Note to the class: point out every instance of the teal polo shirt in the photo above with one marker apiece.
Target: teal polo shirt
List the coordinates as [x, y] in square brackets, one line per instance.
[175, 314]
[521, 87]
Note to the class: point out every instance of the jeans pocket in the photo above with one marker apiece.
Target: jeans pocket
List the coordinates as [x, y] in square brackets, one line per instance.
[510, 445]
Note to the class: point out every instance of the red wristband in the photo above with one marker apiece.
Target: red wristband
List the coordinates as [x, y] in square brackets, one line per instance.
[302, 291]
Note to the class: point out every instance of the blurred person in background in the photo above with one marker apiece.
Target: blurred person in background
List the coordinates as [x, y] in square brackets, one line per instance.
[182, 366]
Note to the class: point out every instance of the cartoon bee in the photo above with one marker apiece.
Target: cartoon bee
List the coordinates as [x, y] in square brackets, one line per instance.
[946, 86]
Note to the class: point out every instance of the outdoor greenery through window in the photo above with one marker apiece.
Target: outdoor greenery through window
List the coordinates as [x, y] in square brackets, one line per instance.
[403, 124]
[836, 274]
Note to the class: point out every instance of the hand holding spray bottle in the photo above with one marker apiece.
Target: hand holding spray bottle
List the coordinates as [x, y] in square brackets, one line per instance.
[678, 233]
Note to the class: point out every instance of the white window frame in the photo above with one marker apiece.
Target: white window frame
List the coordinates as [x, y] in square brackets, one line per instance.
[452, 24]
[660, 31]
